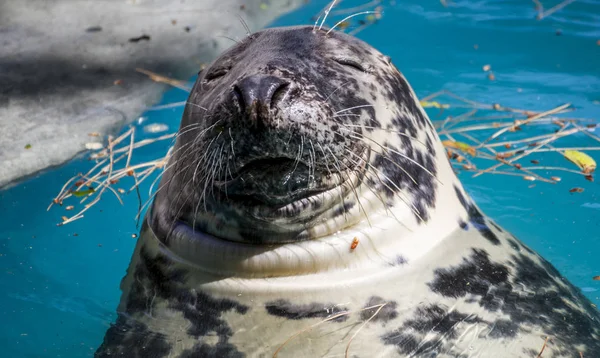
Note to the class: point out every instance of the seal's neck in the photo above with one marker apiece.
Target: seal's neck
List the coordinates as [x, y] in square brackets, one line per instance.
[380, 236]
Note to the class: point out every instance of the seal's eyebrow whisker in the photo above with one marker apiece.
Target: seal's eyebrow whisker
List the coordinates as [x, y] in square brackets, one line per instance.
[326, 14]
[248, 32]
[347, 18]
[237, 41]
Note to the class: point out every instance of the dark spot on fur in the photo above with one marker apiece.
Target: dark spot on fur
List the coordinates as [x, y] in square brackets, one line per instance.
[529, 293]
[497, 226]
[129, 338]
[476, 275]
[476, 219]
[219, 350]
[400, 260]
[400, 173]
[429, 320]
[155, 279]
[286, 309]
[504, 328]
[343, 209]
[140, 38]
[463, 225]
[386, 313]
[515, 245]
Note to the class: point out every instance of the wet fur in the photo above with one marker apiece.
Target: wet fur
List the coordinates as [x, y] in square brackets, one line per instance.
[472, 291]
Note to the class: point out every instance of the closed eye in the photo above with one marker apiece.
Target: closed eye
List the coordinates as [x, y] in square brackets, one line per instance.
[216, 73]
[350, 63]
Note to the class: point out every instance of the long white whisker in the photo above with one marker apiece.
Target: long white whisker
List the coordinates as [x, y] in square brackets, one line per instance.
[327, 14]
[349, 17]
[351, 108]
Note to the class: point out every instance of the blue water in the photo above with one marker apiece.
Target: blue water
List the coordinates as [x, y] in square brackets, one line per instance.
[59, 286]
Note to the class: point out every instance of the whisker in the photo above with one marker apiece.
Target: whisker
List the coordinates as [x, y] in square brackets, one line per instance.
[340, 86]
[195, 105]
[331, 174]
[349, 17]
[327, 14]
[410, 205]
[351, 108]
[352, 188]
[229, 38]
[248, 32]
[402, 155]
[386, 130]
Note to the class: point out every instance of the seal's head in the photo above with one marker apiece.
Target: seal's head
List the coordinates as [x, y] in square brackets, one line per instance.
[294, 134]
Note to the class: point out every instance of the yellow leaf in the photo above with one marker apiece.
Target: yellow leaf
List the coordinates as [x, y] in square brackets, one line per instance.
[460, 146]
[586, 163]
[81, 193]
[434, 104]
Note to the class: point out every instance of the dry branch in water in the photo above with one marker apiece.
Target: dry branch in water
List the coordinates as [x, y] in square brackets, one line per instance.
[466, 150]
[105, 175]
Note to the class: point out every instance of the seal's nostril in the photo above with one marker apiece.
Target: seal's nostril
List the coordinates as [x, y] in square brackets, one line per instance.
[239, 97]
[258, 94]
[279, 93]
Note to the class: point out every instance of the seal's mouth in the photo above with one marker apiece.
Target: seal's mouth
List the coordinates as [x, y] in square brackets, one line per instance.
[272, 181]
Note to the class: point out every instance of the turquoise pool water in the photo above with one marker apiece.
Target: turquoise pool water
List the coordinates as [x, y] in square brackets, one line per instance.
[59, 286]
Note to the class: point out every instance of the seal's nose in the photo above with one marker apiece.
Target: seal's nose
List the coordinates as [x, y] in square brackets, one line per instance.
[257, 94]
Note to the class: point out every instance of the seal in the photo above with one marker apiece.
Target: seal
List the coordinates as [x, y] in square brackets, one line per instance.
[309, 210]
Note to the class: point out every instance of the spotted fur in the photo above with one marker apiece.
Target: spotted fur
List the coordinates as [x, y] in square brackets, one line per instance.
[296, 143]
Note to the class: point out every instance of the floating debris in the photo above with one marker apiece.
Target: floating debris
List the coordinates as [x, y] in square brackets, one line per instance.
[81, 193]
[487, 68]
[133, 236]
[529, 178]
[596, 278]
[94, 134]
[27, 146]
[576, 190]
[433, 104]
[70, 207]
[586, 163]
[460, 146]
[94, 29]
[156, 128]
[354, 243]
[140, 38]
[93, 146]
